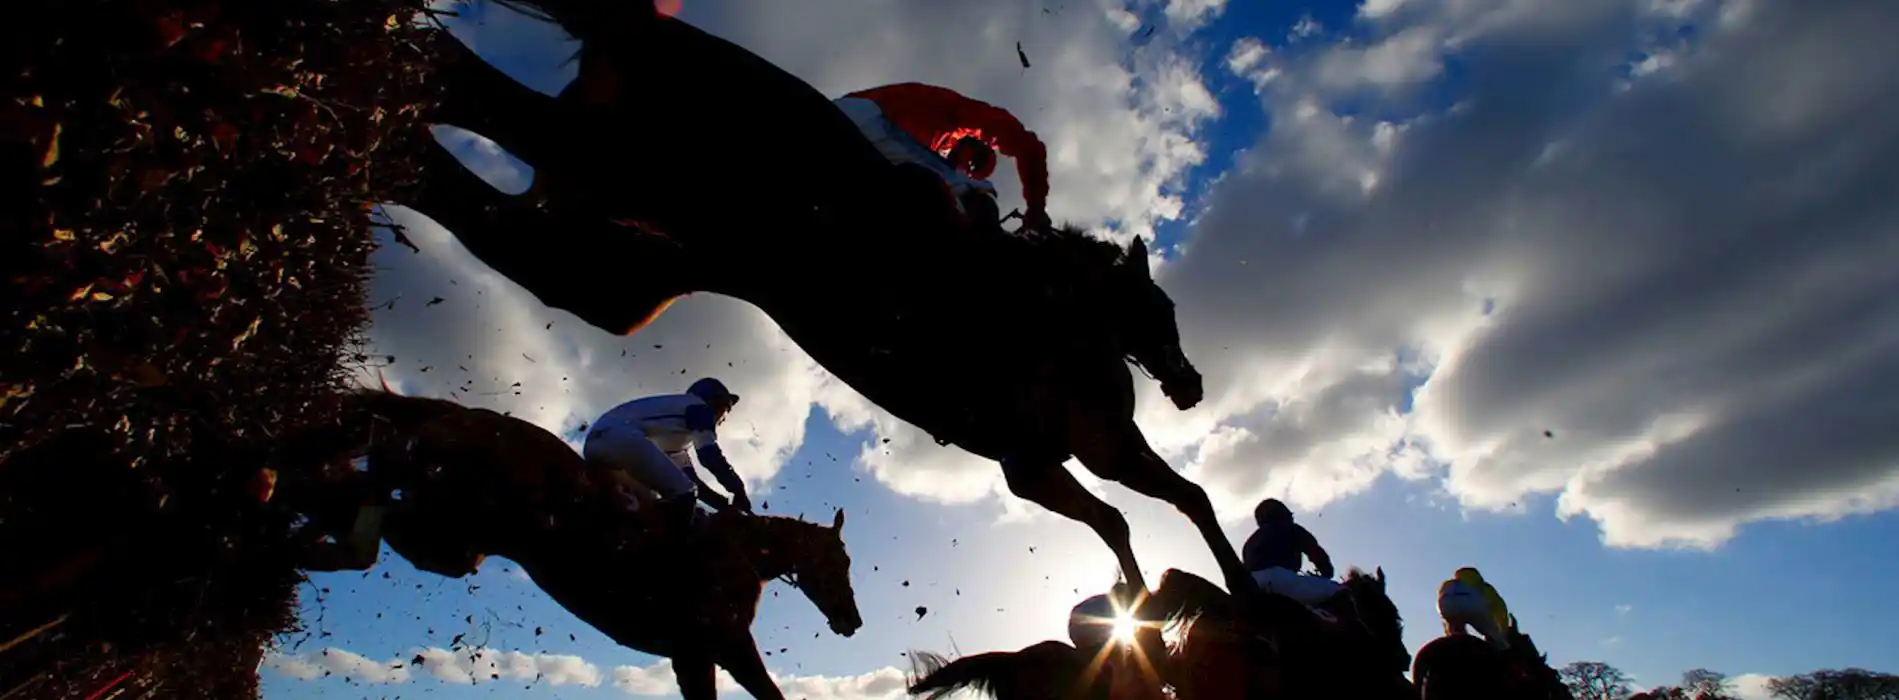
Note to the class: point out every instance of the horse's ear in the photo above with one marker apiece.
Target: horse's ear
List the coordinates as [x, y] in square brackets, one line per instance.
[1380, 573]
[837, 523]
[1137, 256]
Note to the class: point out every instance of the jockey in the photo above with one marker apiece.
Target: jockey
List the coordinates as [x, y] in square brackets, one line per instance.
[931, 130]
[1467, 599]
[647, 439]
[1274, 551]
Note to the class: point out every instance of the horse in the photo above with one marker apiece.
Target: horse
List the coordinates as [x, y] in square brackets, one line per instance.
[462, 483]
[1457, 666]
[1025, 368]
[1284, 650]
[1049, 670]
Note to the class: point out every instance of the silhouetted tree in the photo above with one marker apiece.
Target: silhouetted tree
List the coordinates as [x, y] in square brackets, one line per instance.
[1836, 684]
[1703, 684]
[1595, 680]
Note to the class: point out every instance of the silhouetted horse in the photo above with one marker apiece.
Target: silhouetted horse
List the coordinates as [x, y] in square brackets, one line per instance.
[1459, 666]
[1011, 347]
[1045, 671]
[1218, 652]
[1223, 653]
[462, 483]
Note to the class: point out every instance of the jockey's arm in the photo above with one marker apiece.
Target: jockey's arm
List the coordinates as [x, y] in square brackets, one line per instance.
[1014, 140]
[1498, 610]
[1320, 559]
[705, 441]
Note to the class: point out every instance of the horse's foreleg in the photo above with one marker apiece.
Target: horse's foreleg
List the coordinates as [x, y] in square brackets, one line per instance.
[739, 657]
[1046, 483]
[1117, 451]
[696, 675]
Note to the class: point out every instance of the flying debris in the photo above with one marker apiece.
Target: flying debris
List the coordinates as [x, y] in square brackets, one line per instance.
[1019, 54]
[921, 611]
[434, 301]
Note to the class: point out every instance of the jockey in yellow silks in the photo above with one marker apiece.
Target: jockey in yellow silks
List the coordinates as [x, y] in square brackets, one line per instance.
[1466, 599]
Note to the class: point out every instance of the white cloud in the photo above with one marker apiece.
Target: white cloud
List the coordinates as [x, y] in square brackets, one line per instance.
[1750, 686]
[1684, 282]
[1246, 53]
[1624, 609]
[657, 680]
[1190, 14]
[483, 665]
[473, 666]
[338, 663]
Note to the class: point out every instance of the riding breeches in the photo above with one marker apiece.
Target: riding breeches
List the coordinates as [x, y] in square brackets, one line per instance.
[1460, 606]
[1311, 591]
[899, 147]
[627, 449]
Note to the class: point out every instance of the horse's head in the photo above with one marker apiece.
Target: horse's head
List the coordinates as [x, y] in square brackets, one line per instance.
[1379, 613]
[1529, 668]
[1149, 332]
[811, 557]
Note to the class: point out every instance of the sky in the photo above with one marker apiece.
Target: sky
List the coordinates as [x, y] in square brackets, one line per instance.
[1593, 295]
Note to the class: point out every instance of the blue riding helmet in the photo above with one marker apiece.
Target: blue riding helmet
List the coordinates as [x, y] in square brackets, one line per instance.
[713, 391]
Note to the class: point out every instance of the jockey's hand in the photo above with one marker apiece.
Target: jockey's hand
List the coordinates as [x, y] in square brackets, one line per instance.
[1037, 219]
[1326, 572]
[742, 502]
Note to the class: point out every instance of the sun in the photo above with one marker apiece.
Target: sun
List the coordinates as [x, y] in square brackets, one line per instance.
[1124, 627]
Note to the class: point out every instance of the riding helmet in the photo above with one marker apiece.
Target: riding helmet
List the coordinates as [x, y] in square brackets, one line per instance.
[713, 391]
[1271, 511]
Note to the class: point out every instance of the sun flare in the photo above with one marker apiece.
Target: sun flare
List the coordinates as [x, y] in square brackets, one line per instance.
[1123, 627]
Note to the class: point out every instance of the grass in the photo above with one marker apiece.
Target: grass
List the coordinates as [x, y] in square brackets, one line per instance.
[185, 240]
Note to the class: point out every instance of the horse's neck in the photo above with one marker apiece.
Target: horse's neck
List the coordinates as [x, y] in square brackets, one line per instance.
[756, 540]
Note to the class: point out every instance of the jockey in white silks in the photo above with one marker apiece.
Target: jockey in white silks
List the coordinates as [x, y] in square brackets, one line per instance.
[1274, 551]
[648, 440]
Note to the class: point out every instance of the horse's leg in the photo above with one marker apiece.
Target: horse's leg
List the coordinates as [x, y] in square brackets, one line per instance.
[1107, 442]
[739, 657]
[696, 675]
[585, 272]
[472, 94]
[1046, 483]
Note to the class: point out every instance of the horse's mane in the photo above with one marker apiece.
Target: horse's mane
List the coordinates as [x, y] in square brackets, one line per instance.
[934, 676]
[1072, 242]
[1357, 576]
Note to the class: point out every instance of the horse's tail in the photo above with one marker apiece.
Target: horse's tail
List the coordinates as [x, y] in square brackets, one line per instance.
[935, 676]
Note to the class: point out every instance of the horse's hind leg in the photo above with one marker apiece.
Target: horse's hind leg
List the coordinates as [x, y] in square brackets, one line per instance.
[1117, 451]
[1046, 483]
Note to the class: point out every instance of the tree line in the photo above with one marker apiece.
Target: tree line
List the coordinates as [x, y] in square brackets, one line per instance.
[1596, 680]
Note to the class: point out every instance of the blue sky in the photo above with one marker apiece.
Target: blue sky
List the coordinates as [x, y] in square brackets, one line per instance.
[1709, 498]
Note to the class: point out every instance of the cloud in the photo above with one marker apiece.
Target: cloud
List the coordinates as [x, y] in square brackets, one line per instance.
[1682, 277]
[339, 663]
[1121, 124]
[473, 666]
[657, 679]
[483, 665]
[1750, 686]
[1624, 609]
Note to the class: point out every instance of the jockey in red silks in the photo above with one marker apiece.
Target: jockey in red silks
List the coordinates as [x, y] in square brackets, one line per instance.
[954, 139]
